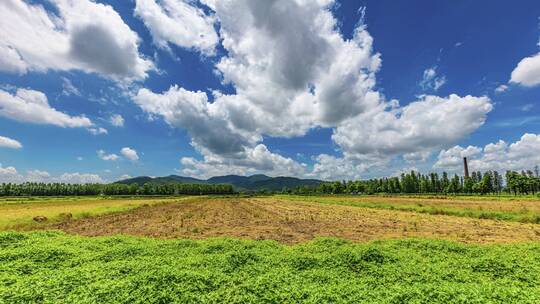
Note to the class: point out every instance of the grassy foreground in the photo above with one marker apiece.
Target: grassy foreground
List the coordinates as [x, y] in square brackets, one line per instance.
[52, 267]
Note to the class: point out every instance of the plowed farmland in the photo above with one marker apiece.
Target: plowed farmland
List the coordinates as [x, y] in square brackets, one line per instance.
[290, 221]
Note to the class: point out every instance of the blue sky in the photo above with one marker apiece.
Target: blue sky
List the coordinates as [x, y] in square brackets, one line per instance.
[233, 87]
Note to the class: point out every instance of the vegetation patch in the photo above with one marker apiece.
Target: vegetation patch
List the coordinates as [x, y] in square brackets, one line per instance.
[48, 267]
[484, 210]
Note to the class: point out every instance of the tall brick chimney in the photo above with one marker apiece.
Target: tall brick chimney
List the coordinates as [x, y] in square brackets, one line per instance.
[466, 167]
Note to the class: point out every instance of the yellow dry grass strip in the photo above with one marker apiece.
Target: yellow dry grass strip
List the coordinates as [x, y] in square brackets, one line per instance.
[479, 204]
[21, 215]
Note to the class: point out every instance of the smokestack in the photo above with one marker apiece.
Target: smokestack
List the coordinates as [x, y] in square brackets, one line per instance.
[466, 167]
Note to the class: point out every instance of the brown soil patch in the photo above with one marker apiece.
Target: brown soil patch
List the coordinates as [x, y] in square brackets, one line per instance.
[293, 222]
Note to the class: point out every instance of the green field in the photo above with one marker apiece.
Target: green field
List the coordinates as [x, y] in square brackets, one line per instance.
[49, 266]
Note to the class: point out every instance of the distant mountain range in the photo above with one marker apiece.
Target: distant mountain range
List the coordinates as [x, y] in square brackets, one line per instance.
[241, 183]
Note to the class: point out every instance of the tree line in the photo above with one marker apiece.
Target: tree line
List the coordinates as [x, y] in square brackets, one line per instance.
[490, 182]
[63, 189]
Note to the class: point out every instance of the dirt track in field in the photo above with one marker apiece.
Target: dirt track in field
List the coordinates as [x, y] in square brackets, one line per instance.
[294, 222]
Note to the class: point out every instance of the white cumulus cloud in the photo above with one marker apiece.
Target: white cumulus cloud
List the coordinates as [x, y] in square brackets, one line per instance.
[520, 155]
[527, 71]
[104, 156]
[80, 178]
[254, 160]
[117, 120]
[501, 88]
[7, 142]
[178, 22]
[98, 131]
[32, 106]
[328, 167]
[130, 154]
[292, 71]
[431, 81]
[82, 35]
[11, 175]
[429, 123]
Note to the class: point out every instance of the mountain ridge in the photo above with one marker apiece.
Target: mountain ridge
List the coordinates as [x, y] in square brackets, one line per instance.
[258, 182]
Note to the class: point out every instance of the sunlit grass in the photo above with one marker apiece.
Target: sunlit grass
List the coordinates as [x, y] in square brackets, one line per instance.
[50, 267]
[525, 211]
[20, 212]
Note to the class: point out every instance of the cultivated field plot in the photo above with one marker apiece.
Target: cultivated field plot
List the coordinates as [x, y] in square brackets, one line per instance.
[293, 221]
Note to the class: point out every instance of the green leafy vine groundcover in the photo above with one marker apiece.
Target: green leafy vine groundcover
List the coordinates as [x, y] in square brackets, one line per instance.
[53, 267]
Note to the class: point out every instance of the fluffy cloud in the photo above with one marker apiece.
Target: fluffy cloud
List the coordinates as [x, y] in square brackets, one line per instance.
[414, 157]
[292, 71]
[10, 60]
[117, 120]
[83, 35]
[130, 154]
[179, 23]
[329, 167]
[37, 176]
[256, 160]
[32, 106]
[124, 176]
[98, 131]
[501, 156]
[210, 129]
[11, 175]
[104, 156]
[452, 158]
[291, 78]
[429, 123]
[80, 178]
[501, 88]
[527, 72]
[430, 80]
[7, 142]
[287, 79]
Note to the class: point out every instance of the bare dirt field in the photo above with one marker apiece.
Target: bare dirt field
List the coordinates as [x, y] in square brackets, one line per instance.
[292, 222]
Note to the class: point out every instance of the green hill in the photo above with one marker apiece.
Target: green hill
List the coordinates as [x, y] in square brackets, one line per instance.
[241, 183]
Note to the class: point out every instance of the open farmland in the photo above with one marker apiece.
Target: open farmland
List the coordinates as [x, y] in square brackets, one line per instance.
[510, 208]
[19, 213]
[277, 249]
[293, 221]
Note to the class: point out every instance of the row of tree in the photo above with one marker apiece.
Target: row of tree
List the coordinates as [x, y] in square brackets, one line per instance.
[414, 182]
[62, 189]
[410, 183]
